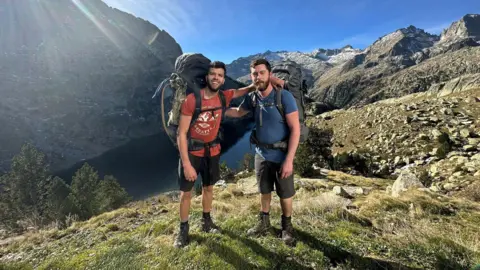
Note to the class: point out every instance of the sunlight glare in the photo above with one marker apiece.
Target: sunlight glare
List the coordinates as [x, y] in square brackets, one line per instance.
[91, 17]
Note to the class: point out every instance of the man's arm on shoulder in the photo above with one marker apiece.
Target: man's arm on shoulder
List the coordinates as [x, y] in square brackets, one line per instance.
[277, 82]
[243, 91]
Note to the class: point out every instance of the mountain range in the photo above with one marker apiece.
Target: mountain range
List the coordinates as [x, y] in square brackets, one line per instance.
[405, 61]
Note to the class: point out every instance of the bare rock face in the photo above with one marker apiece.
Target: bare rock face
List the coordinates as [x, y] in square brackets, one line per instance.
[398, 47]
[467, 27]
[77, 78]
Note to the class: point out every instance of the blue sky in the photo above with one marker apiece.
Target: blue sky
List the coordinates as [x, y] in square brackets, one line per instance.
[225, 30]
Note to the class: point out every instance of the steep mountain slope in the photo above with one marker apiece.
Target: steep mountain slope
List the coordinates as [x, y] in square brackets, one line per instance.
[77, 78]
[405, 61]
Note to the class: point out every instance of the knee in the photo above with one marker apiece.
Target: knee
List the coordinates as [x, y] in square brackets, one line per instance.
[208, 189]
[185, 196]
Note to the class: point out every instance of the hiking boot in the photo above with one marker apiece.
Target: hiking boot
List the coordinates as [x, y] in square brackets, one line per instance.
[262, 226]
[287, 231]
[208, 225]
[182, 237]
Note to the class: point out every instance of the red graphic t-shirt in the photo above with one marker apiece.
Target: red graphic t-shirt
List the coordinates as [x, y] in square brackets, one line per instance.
[207, 125]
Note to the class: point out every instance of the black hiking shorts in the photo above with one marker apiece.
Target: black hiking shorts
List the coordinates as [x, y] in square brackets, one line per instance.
[207, 167]
[268, 174]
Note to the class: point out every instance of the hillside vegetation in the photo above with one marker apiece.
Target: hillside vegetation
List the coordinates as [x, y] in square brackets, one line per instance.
[362, 228]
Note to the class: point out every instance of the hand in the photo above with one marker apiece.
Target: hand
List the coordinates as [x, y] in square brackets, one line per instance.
[287, 169]
[190, 173]
[276, 82]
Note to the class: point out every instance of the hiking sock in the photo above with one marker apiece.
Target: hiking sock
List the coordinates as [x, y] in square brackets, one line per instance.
[285, 221]
[183, 223]
[206, 215]
[264, 213]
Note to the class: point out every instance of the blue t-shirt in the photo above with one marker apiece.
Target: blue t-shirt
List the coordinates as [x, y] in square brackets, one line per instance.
[273, 128]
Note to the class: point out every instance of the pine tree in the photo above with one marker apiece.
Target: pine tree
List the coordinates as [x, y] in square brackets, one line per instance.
[28, 173]
[110, 195]
[83, 191]
[57, 202]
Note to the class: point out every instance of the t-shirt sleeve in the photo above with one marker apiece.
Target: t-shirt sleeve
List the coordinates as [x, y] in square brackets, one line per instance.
[229, 95]
[188, 105]
[247, 103]
[289, 102]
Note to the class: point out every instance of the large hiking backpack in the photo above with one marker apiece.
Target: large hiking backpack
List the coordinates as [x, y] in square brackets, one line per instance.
[188, 77]
[291, 73]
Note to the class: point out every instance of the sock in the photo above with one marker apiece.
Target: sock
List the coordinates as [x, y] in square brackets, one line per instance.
[286, 220]
[264, 213]
[206, 214]
[183, 223]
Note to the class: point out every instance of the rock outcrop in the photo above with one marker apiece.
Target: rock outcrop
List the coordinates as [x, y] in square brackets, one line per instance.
[437, 134]
[467, 27]
[77, 78]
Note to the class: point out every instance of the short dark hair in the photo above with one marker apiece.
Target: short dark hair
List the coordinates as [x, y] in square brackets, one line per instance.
[218, 64]
[261, 61]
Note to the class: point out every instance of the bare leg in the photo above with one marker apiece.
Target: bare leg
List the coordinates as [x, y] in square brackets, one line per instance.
[207, 198]
[185, 200]
[265, 202]
[287, 206]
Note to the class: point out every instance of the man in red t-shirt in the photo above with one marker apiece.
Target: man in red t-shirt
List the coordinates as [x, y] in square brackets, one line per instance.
[205, 160]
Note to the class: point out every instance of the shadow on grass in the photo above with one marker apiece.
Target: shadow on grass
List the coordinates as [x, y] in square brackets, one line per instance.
[277, 261]
[340, 256]
[224, 252]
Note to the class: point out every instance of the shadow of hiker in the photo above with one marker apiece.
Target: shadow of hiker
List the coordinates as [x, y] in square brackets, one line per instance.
[223, 251]
[278, 261]
[338, 255]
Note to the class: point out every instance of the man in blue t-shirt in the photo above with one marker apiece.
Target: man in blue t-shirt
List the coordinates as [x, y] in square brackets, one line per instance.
[276, 143]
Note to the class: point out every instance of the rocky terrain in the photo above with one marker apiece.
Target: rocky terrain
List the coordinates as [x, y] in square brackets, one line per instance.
[406, 61]
[436, 135]
[313, 63]
[77, 78]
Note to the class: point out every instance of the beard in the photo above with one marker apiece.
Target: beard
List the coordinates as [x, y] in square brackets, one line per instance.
[262, 86]
[213, 89]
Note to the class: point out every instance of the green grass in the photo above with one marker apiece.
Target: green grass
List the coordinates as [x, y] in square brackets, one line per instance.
[385, 233]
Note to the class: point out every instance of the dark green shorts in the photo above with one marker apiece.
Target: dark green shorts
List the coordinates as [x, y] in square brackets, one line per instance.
[268, 180]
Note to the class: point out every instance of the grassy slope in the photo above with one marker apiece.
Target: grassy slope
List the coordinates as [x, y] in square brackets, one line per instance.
[417, 230]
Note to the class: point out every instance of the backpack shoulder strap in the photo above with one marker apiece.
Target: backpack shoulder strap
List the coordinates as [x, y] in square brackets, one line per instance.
[223, 101]
[278, 96]
[253, 98]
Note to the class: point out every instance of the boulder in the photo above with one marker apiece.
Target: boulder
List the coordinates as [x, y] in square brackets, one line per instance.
[406, 180]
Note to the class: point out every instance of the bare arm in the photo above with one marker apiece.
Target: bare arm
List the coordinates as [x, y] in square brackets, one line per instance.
[277, 82]
[183, 126]
[235, 112]
[293, 123]
[243, 91]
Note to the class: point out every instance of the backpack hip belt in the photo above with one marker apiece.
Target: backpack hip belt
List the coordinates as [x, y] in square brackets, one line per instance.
[280, 145]
[196, 145]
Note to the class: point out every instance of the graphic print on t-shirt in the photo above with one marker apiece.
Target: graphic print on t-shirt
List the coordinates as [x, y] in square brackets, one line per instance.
[206, 122]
